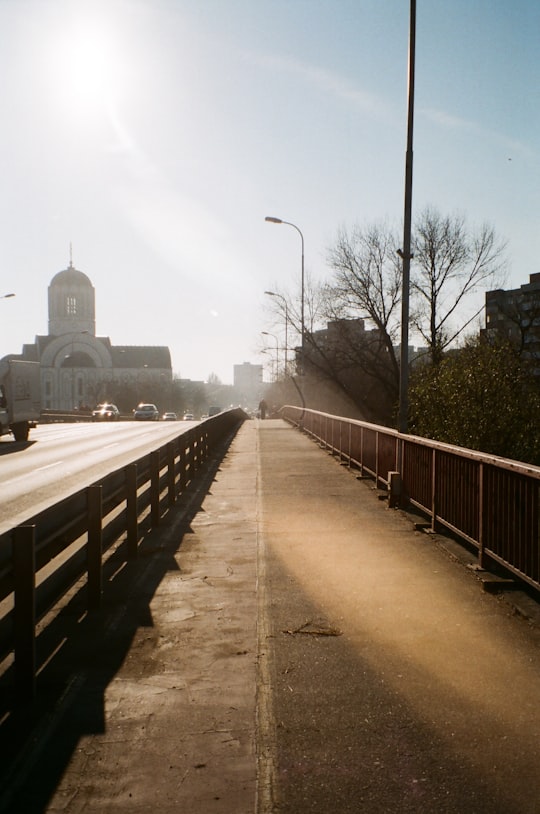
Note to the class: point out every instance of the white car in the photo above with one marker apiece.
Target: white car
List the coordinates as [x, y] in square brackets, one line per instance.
[169, 416]
[189, 417]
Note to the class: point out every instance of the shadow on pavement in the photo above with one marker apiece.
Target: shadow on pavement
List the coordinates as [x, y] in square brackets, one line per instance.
[81, 652]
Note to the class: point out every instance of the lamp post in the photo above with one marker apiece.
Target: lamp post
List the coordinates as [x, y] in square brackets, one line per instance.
[265, 333]
[279, 296]
[405, 253]
[302, 322]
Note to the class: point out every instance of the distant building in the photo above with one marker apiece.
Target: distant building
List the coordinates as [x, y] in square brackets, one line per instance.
[248, 383]
[515, 314]
[80, 369]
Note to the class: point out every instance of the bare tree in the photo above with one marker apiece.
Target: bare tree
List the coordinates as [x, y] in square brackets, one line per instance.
[367, 276]
[286, 311]
[366, 284]
[451, 264]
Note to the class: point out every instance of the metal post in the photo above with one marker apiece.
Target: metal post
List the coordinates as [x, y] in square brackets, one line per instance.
[154, 488]
[286, 308]
[95, 565]
[131, 511]
[25, 611]
[405, 253]
[171, 492]
[302, 281]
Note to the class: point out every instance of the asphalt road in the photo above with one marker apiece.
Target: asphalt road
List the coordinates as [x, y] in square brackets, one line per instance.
[60, 459]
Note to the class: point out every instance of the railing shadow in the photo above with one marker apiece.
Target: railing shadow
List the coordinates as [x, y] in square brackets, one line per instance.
[88, 647]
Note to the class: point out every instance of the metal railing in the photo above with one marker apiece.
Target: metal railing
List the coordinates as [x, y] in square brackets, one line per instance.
[41, 560]
[492, 503]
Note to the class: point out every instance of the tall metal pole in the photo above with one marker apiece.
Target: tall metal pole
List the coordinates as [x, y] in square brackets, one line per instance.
[302, 311]
[276, 363]
[405, 252]
[273, 294]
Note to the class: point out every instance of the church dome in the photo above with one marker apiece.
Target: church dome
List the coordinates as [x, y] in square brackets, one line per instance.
[71, 277]
[72, 306]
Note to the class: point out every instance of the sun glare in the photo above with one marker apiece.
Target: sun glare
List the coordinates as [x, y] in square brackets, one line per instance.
[87, 66]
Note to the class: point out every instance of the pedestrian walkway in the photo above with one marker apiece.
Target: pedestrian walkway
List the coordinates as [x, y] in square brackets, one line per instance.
[291, 645]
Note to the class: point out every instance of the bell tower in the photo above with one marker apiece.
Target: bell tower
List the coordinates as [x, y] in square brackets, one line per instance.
[72, 303]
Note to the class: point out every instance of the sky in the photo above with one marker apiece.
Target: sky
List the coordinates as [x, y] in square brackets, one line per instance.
[153, 137]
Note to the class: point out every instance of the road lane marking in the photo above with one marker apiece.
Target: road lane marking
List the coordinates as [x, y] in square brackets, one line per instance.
[48, 466]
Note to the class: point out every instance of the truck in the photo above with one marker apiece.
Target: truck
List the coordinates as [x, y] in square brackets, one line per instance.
[20, 397]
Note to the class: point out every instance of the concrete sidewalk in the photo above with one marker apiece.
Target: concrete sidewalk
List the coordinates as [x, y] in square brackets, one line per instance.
[291, 645]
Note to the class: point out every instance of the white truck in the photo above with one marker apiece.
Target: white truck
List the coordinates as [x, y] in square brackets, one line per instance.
[20, 397]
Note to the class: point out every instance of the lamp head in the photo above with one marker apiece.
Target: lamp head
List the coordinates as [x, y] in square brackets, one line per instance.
[273, 220]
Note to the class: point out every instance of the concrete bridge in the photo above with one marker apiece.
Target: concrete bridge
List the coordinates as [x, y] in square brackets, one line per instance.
[286, 642]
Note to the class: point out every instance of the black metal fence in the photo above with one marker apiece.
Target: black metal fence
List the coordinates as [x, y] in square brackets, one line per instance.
[490, 502]
[41, 560]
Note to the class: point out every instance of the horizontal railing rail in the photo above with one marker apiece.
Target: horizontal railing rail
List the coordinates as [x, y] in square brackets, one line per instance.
[491, 503]
[42, 559]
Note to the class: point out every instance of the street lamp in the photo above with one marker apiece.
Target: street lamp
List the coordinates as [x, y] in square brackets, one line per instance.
[302, 323]
[265, 333]
[405, 253]
[6, 296]
[279, 296]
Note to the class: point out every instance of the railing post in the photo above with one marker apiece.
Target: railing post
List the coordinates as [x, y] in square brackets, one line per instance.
[481, 540]
[171, 474]
[182, 465]
[24, 572]
[434, 504]
[195, 457]
[154, 488]
[377, 459]
[190, 457]
[132, 513]
[94, 548]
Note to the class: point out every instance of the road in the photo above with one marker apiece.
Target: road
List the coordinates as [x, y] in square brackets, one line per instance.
[60, 459]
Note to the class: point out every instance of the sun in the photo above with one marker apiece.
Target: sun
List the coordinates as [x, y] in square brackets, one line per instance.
[90, 67]
[87, 65]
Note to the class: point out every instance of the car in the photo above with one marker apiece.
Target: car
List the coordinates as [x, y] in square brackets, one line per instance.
[189, 417]
[169, 416]
[106, 412]
[146, 412]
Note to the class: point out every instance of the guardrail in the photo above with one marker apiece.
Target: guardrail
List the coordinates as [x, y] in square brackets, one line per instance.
[43, 559]
[491, 503]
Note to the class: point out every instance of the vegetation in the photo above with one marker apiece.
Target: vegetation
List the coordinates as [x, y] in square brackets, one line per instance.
[484, 397]
[353, 321]
[451, 264]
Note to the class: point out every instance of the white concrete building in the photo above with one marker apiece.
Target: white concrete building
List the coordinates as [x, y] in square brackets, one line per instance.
[80, 369]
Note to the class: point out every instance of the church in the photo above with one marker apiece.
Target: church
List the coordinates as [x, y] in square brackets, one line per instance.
[79, 369]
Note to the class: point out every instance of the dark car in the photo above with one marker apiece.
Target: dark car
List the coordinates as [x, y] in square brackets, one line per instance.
[106, 412]
[146, 412]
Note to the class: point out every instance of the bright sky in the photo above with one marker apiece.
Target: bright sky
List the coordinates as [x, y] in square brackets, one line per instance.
[156, 135]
